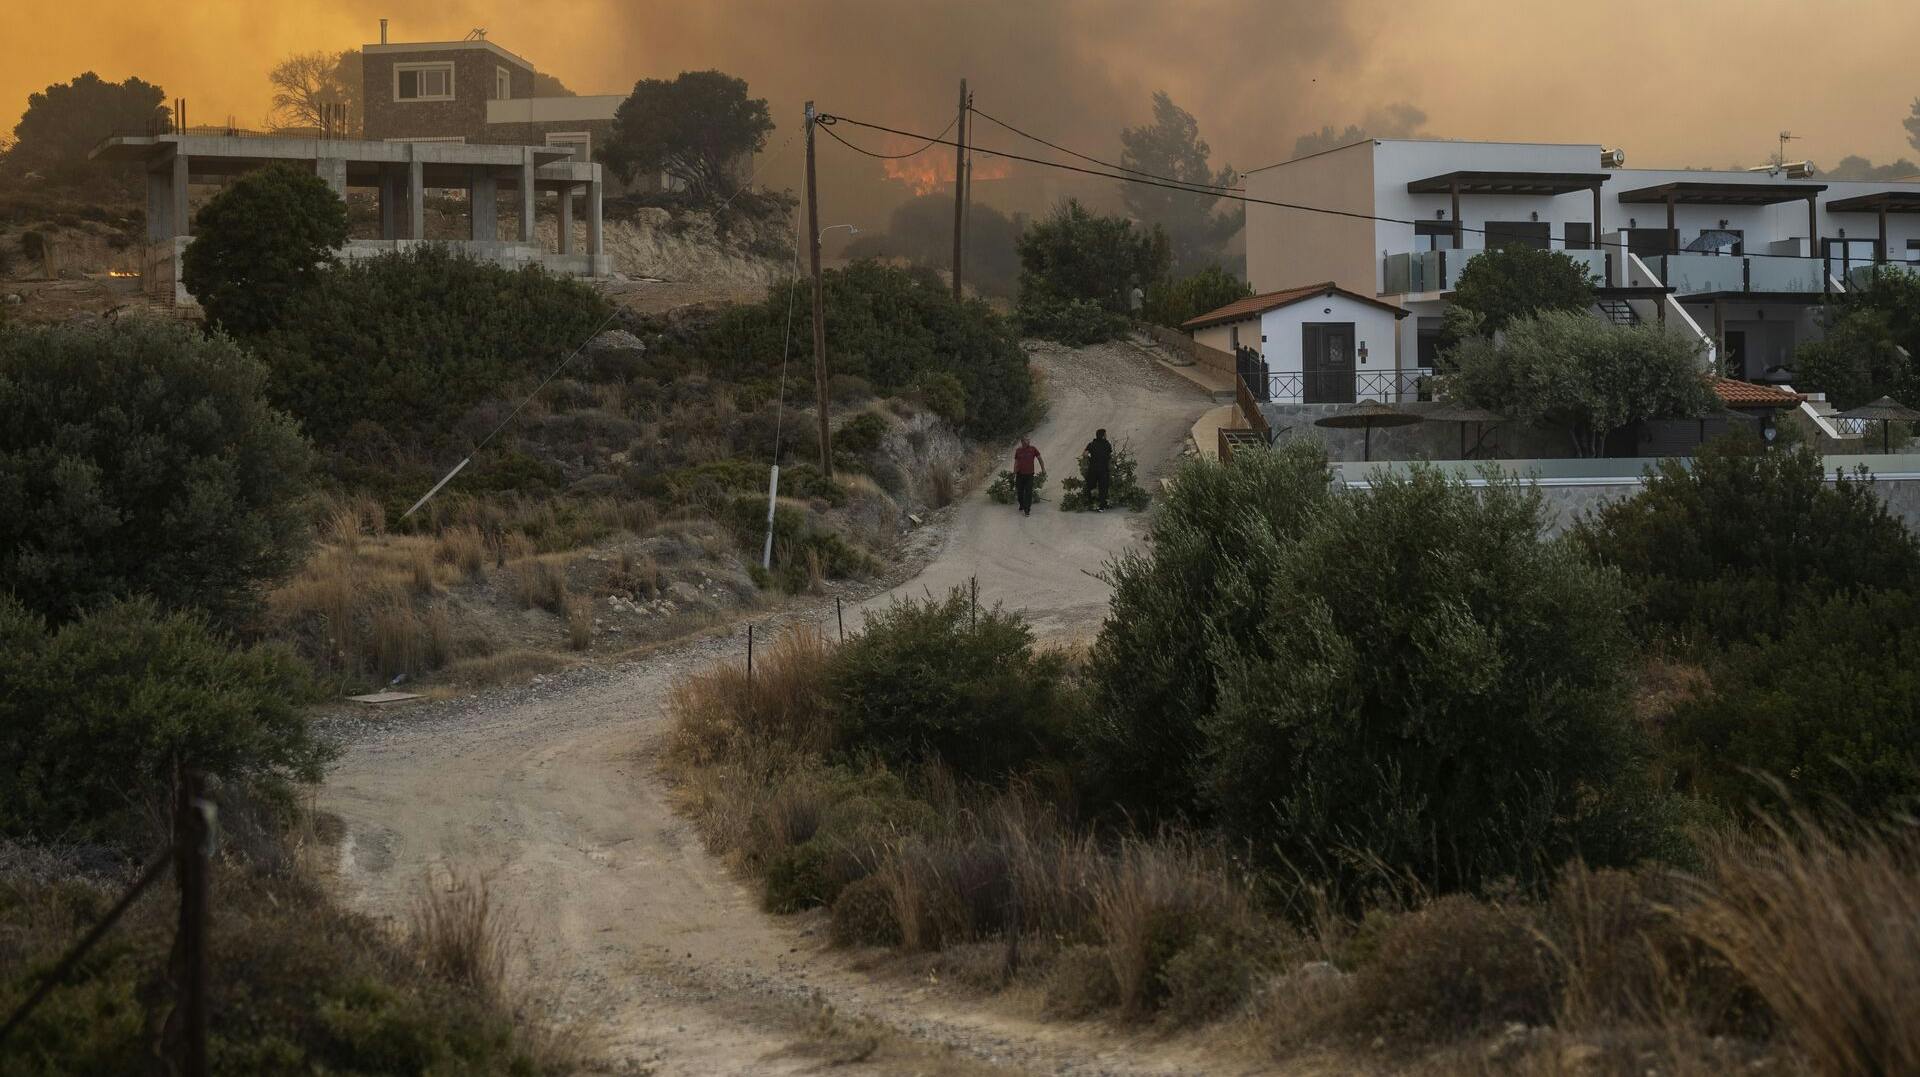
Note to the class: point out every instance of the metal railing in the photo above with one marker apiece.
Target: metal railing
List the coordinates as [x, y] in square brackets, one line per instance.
[1341, 386]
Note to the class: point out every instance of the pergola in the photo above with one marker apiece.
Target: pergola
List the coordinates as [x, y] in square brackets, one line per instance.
[1456, 184]
[1717, 193]
[1880, 203]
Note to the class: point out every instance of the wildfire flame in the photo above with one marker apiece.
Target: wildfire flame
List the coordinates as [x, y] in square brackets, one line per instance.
[121, 273]
[925, 173]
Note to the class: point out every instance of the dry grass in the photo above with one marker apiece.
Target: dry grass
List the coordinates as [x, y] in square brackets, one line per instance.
[541, 583]
[1157, 898]
[579, 625]
[940, 485]
[465, 548]
[718, 717]
[460, 937]
[1825, 925]
[507, 667]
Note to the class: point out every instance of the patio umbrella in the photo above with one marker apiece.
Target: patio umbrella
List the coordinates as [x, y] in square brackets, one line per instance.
[1885, 411]
[1366, 415]
[1460, 413]
[1713, 241]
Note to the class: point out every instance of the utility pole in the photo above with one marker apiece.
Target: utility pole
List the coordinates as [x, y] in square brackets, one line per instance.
[959, 190]
[819, 304]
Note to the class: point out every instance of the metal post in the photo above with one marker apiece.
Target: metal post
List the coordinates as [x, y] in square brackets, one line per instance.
[749, 665]
[773, 497]
[819, 306]
[973, 591]
[1459, 235]
[840, 618]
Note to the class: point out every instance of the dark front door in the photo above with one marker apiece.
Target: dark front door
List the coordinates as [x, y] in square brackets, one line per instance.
[1326, 362]
[1735, 363]
[1535, 234]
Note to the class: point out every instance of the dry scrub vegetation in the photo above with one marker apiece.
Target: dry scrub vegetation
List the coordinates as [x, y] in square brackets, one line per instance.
[1792, 950]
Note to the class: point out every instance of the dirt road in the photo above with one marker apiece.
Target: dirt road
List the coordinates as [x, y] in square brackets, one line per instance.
[621, 919]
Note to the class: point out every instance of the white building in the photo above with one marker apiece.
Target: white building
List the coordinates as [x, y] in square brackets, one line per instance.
[1744, 260]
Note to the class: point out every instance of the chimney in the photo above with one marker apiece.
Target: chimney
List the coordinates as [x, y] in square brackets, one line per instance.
[383, 31]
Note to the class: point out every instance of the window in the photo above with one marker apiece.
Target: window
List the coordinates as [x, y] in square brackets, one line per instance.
[1579, 236]
[1432, 235]
[423, 82]
[502, 84]
[580, 142]
[1535, 234]
[1913, 250]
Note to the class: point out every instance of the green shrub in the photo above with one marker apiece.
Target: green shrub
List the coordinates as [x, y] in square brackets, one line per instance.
[863, 915]
[261, 242]
[1415, 641]
[862, 434]
[415, 340]
[1503, 286]
[1826, 715]
[1728, 548]
[140, 457]
[801, 877]
[1078, 270]
[1123, 485]
[1073, 322]
[943, 679]
[1151, 674]
[94, 715]
[1456, 966]
[803, 549]
[1207, 977]
[1002, 492]
[895, 329]
[1173, 303]
[944, 395]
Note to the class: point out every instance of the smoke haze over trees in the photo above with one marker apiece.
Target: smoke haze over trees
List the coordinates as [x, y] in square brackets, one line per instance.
[920, 232]
[1171, 147]
[1398, 120]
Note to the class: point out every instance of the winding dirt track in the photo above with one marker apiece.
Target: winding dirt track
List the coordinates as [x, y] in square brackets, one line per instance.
[622, 921]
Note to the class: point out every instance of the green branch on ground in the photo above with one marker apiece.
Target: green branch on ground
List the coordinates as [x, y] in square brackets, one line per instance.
[1002, 492]
[1123, 485]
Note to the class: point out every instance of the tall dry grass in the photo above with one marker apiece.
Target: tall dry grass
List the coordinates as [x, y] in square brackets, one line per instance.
[1824, 924]
[460, 937]
[719, 717]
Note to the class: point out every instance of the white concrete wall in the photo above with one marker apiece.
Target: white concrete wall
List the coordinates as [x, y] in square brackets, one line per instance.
[1281, 333]
[1221, 336]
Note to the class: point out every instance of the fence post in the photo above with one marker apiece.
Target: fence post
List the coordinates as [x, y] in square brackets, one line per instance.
[193, 853]
[840, 618]
[973, 593]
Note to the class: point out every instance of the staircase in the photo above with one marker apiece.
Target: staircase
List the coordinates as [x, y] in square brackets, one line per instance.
[1617, 311]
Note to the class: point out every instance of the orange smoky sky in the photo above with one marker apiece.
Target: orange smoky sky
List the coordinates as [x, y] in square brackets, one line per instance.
[1674, 82]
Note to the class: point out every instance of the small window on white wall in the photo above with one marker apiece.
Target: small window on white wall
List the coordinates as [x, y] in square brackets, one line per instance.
[423, 82]
[502, 84]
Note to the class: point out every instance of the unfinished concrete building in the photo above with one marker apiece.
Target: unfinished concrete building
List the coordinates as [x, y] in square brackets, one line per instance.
[400, 173]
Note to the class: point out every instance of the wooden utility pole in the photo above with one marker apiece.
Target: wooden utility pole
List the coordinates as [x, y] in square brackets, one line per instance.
[819, 304]
[959, 190]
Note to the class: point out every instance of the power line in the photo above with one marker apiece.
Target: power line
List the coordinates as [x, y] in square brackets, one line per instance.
[827, 120]
[930, 143]
[1096, 160]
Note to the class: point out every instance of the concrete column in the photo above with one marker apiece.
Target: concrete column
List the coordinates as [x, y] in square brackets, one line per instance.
[484, 197]
[416, 200]
[526, 197]
[159, 207]
[182, 222]
[334, 171]
[566, 219]
[389, 204]
[594, 245]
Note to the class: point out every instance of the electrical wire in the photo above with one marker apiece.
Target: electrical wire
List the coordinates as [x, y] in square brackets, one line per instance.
[930, 143]
[1098, 161]
[827, 120]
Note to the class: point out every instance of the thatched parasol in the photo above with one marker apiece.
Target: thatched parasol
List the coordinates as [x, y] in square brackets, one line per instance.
[1462, 414]
[1366, 415]
[1886, 411]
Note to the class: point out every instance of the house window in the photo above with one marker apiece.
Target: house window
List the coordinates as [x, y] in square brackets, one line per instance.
[1579, 236]
[580, 142]
[1535, 234]
[1913, 250]
[423, 82]
[1432, 235]
[502, 84]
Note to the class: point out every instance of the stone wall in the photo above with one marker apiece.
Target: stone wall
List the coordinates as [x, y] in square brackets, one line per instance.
[465, 116]
[1182, 344]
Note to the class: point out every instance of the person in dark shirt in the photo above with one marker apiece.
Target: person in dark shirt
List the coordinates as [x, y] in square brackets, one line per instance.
[1024, 458]
[1099, 469]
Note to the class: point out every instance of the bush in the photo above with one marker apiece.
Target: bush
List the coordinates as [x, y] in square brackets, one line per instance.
[94, 715]
[1081, 983]
[1151, 673]
[413, 341]
[1414, 641]
[1123, 485]
[1826, 715]
[140, 457]
[1727, 548]
[1515, 282]
[1208, 977]
[1073, 322]
[1173, 303]
[1078, 270]
[943, 679]
[1455, 966]
[1001, 491]
[894, 328]
[261, 242]
[863, 915]
[1572, 370]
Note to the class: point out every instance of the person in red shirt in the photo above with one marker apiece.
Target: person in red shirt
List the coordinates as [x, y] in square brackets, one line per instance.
[1024, 459]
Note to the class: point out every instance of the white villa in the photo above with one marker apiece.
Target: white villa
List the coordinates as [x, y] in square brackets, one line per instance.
[1743, 260]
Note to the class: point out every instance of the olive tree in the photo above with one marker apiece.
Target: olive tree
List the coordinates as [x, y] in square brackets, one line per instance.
[259, 244]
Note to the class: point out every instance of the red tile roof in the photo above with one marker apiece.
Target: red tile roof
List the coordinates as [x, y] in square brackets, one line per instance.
[1746, 394]
[1255, 305]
